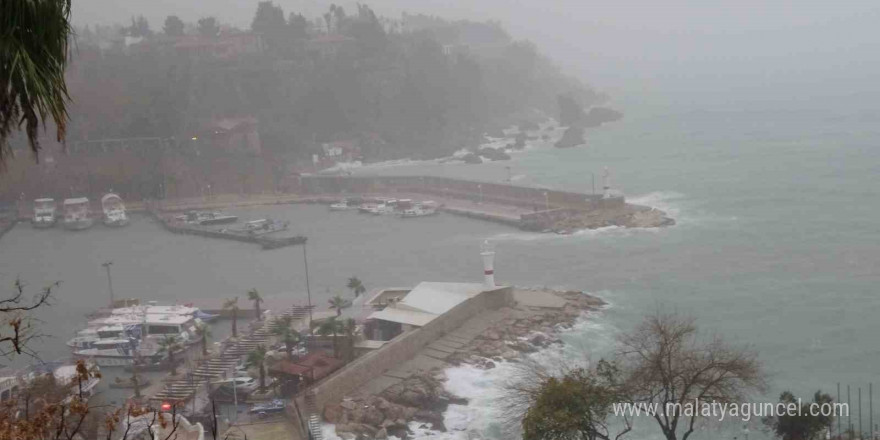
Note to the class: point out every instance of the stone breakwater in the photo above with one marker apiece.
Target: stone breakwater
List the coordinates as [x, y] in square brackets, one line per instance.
[514, 332]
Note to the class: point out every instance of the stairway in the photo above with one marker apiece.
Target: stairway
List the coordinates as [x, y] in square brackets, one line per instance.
[314, 419]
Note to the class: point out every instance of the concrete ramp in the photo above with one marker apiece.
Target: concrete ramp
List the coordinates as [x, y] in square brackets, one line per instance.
[537, 298]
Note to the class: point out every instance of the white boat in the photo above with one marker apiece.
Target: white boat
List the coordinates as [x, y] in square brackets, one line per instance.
[44, 213]
[344, 205]
[419, 211]
[77, 214]
[66, 375]
[130, 332]
[114, 210]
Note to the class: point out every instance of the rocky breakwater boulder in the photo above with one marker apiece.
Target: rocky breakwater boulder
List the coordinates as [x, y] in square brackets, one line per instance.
[628, 216]
[525, 330]
[420, 398]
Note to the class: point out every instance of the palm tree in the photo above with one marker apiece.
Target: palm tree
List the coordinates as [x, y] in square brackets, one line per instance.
[290, 338]
[169, 345]
[254, 296]
[203, 332]
[34, 40]
[332, 327]
[338, 303]
[232, 304]
[257, 358]
[349, 327]
[356, 286]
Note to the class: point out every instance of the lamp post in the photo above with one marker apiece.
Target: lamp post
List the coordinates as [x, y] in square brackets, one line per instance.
[308, 288]
[480, 187]
[509, 177]
[110, 282]
[546, 201]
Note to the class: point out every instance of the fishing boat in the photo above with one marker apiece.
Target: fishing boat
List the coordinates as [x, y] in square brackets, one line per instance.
[77, 214]
[114, 210]
[44, 213]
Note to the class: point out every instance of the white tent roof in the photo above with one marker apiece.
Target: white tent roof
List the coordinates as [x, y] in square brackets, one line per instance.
[427, 301]
[409, 317]
[438, 298]
[76, 201]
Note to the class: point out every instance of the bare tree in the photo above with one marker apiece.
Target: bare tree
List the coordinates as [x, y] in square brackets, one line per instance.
[668, 365]
[17, 326]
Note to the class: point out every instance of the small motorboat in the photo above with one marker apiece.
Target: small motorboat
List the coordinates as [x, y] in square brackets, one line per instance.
[45, 214]
[422, 209]
[77, 214]
[344, 205]
[114, 210]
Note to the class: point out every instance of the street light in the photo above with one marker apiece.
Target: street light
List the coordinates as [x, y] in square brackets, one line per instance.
[110, 282]
[480, 187]
[509, 177]
[308, 288]
[546, 201]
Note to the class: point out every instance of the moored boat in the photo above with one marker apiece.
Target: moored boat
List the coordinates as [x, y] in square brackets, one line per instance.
[422, 209]
[45, 214]
[114, 210]
[130, 333]
[77, 214]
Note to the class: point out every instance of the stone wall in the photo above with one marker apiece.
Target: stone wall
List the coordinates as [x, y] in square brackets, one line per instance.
[532, 198]
[405, 347]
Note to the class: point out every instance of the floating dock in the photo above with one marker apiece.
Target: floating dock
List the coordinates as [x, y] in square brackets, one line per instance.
[262, 240]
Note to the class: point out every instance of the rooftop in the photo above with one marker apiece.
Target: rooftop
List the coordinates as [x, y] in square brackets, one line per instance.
[425, 302]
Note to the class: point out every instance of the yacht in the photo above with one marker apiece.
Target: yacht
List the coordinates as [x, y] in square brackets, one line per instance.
[44, 213]
[134, 332]
[77, 214]
[114, 210]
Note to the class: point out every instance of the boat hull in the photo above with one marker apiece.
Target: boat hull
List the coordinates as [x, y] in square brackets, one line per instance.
[42, 224]
[115, 223]
[78, 225]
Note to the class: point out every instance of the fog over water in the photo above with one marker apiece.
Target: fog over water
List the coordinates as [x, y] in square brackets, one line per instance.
[754, 124]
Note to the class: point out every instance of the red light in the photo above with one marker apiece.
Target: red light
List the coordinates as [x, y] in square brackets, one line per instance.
[165, 406]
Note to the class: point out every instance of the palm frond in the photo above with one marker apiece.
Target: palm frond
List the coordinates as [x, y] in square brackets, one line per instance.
[33, 58]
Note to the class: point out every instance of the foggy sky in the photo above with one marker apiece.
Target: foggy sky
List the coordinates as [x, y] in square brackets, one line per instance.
[750, 46]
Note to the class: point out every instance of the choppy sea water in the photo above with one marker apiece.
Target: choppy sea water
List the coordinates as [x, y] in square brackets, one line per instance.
[777, 246]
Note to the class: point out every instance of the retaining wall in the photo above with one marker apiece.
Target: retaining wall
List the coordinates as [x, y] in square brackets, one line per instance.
[405, 347]
[526, 197]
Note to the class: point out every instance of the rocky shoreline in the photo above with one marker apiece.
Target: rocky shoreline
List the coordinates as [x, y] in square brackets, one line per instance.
[423, 399]
[627, 216]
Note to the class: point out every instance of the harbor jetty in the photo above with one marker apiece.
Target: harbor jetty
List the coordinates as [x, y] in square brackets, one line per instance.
[171, 224]
[528, 208]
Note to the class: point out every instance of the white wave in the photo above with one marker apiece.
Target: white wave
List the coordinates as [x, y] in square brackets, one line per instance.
[482, 417]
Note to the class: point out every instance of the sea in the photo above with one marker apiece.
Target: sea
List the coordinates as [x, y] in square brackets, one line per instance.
[776, 247]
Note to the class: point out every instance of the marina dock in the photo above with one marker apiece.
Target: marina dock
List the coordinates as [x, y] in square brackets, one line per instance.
[266, 242]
